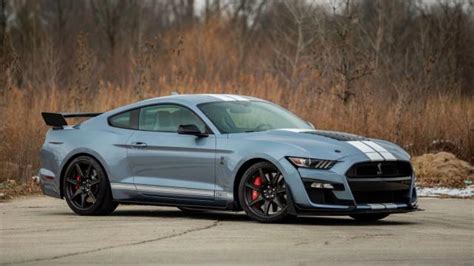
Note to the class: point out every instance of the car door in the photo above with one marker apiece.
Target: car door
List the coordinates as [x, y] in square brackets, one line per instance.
[165, 163]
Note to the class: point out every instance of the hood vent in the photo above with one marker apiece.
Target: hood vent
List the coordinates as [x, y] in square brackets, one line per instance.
[337, 135]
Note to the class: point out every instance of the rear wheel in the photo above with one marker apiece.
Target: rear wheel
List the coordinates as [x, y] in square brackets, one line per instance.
[86, 188]
[369, 217]
[263, 194]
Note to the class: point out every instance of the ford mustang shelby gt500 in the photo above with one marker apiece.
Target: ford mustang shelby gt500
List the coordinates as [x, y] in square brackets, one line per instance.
[216, 151]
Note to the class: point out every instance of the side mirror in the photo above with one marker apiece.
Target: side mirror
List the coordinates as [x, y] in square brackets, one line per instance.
[191, 130]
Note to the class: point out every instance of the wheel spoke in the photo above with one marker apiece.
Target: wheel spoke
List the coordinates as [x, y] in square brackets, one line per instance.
[88, 171]
[79, 170]
[280, 179]
[274, 207]
[94, 182]
[275, 178]
[260, 198]
[280, 190]
[92, 197]
[77, 193]
[253, 187]
[83, 199]
[266, 207]
[278, 203]
[72, 181]
[264, 176]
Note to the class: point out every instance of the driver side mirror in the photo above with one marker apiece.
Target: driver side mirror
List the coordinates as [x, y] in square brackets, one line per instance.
[191, 130]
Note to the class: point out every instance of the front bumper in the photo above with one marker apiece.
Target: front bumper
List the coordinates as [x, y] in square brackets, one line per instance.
[396, 195]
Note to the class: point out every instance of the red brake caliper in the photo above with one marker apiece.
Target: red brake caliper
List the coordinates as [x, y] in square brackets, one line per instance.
[78, 178]
[257, 182]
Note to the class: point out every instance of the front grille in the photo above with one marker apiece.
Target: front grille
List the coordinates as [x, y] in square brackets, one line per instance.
[380, 170]
[380, 182]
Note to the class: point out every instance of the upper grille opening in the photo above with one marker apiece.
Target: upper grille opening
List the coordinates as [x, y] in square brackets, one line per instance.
[380, 169]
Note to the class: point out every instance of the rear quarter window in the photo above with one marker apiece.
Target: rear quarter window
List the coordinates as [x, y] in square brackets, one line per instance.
[127, 120]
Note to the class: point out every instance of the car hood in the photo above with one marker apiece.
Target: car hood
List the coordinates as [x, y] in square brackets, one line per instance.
[329, 145]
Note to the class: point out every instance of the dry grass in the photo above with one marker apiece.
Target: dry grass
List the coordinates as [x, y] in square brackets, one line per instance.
[430, 119]
[442, 170]
[11, 188]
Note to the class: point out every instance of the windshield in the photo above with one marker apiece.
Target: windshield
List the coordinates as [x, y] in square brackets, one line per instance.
[239, 117]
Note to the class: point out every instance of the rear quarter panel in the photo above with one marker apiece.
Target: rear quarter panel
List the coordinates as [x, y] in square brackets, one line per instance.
[96, 139]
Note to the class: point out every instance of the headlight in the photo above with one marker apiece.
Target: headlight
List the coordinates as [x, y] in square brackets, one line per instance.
[312, 163]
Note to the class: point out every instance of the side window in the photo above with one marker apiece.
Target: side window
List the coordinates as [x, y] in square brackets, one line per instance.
[125, 120]
[167, 118]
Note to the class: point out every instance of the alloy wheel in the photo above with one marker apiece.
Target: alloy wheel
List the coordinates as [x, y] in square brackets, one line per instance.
[82, 185]
[265, 192]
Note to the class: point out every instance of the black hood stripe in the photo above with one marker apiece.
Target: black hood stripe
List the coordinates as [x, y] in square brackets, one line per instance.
[337, 135]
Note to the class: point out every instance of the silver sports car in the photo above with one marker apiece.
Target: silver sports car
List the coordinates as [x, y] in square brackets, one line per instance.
[224, 152]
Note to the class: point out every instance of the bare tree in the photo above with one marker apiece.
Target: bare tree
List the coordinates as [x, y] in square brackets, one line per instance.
[109, 15]
[3, 22]
[291, 33]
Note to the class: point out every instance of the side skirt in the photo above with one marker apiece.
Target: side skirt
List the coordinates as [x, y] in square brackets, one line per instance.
[178, 202]
[164, 196]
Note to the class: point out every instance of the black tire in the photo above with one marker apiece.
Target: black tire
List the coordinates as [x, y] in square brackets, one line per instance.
[369, 217]
[87, 189]
[271, 195]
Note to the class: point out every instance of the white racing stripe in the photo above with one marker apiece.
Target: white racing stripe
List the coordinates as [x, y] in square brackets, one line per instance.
[222, 97]
[386, 154]
[368, 151]
[122, 186]
[359, 145]
[238, 98]
[374, 151]
[297, 130]
[374, 156]
[228, 97]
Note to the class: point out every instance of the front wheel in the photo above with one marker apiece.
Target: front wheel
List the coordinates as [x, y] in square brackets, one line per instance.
[86, 188]
[263, 193]
[369, 217]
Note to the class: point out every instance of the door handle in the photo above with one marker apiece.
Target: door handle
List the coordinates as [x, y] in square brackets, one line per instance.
[139, 145]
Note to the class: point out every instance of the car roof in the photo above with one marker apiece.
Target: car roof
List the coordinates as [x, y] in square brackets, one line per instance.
[196, 99]
[184, 99]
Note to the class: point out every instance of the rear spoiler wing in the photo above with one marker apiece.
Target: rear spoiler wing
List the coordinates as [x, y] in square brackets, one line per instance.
[58, 120]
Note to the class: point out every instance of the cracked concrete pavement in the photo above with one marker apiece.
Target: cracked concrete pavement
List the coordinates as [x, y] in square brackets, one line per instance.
[42, 230]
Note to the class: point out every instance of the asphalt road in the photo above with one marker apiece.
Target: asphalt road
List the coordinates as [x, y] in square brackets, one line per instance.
[41, 230]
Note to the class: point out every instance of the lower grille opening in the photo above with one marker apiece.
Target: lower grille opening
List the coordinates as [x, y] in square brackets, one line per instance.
[380, 196]
[381, 192]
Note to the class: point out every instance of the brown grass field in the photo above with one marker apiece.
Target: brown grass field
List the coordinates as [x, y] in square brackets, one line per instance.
[419, 125]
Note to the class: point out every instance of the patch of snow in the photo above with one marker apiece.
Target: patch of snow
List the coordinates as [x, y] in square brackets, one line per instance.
[442, 191]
